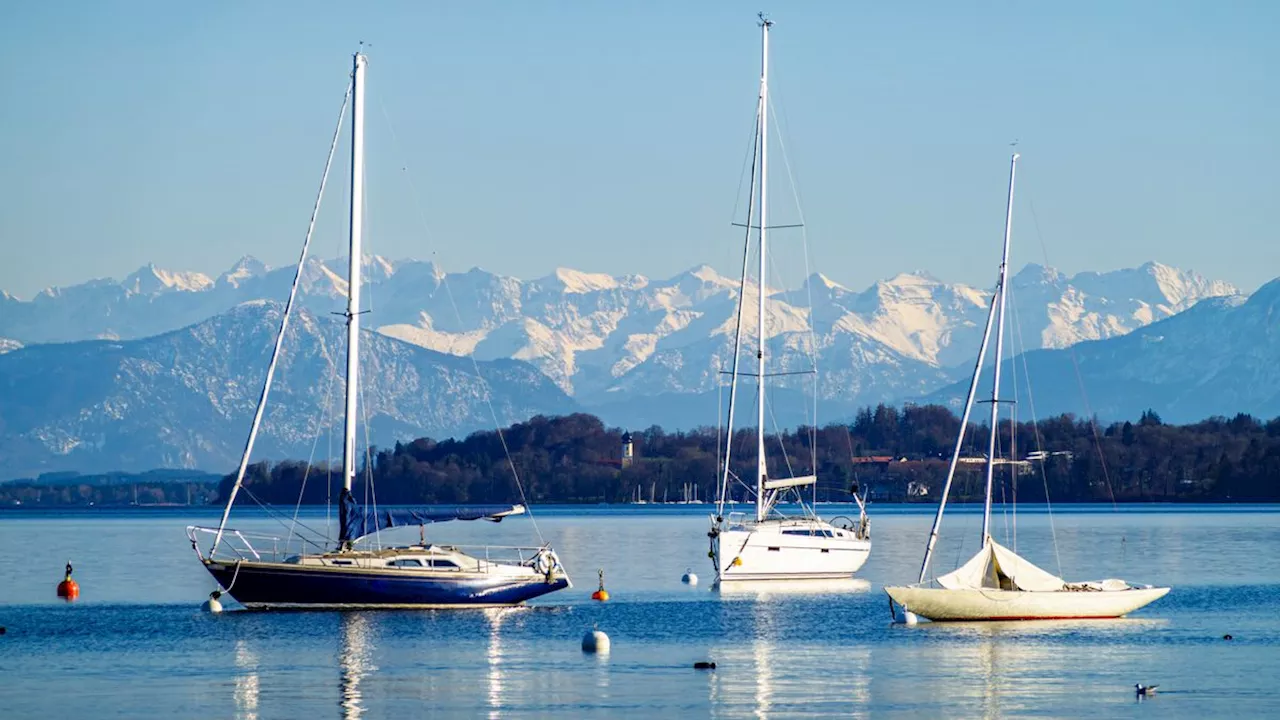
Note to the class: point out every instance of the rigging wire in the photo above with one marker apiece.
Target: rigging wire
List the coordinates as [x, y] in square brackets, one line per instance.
[319, 423]
[781, 126]
[737, 329]
[1035, 431]
[284, 323]
[1075, 364]
[422, 219]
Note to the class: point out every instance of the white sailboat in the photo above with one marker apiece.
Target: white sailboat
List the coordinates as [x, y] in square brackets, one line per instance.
[997, 583]
[770, 545]
[305, 570]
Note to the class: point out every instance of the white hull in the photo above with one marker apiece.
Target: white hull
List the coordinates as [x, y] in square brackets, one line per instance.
[991, 604]
[775, 550]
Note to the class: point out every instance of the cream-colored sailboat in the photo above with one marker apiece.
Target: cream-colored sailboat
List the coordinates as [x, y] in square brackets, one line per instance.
[997, 583]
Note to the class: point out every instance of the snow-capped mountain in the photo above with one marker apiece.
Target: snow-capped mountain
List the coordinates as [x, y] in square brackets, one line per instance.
[607, 340]
[185, 398]
[1217, 358]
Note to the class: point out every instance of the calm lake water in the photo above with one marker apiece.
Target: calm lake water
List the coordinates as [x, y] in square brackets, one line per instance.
[136, 645]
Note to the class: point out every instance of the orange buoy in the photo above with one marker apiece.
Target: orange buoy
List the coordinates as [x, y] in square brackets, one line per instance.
[68, 589]
[600, 594]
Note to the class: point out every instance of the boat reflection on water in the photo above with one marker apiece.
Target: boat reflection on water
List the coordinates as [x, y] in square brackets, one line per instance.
[494, 656]
[772, 676]
[764, 589]
[355, 657]
[246, 692]
[998, 669]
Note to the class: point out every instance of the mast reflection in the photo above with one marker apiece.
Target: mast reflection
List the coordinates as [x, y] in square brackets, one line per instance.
[496, 676]
[787, 675]
[355, 660]
[246, 692]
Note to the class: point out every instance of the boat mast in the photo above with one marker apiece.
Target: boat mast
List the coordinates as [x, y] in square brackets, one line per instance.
[353, 272]
[762, 468]
[995, 382]
[955, 454]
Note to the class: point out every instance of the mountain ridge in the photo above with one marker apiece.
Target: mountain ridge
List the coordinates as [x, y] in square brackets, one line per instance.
[604, 338]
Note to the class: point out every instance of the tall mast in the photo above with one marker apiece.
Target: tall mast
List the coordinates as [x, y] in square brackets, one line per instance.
[762, 467]
[353, 272]
[995, 382]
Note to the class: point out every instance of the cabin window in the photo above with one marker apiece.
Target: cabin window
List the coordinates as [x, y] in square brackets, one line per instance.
[441, 563]
[341, 562]
[825, 550]
[775, 549]
[404, 562]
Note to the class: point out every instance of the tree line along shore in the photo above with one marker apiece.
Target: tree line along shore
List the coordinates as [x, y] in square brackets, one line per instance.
[892, 454]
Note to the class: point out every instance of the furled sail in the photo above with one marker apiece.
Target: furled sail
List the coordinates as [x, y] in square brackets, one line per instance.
[996, 567]
[356, 522]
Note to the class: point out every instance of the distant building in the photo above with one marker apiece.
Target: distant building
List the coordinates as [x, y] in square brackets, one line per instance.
[917, 489]
[1043, 455]
[628, 450]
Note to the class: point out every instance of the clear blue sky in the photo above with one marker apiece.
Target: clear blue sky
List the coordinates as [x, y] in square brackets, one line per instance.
[611, 136]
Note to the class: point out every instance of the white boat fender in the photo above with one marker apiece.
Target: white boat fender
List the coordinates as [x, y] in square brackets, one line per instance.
[905, 617]
[213, 605]
[689, 578]
[595, 641]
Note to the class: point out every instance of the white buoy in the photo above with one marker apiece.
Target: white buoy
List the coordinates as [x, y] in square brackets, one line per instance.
[689, 578]
[212, 605]
[595, 641]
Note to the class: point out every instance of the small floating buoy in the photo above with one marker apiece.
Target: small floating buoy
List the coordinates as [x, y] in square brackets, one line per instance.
[700, 665]
[595, 641]
[600, 594]
[213, 605]
[689, 578]
[3, 630]
[1227, 637]
[68, 589]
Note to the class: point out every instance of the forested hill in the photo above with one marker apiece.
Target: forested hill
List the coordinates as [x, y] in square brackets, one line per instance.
[895, 454]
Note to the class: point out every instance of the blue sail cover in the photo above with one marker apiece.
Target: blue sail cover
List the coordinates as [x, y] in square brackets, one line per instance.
[356, 522]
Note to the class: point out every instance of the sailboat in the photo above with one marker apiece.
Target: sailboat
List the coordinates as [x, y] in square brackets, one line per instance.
[997, 583]
[262, 572]
[769, 545]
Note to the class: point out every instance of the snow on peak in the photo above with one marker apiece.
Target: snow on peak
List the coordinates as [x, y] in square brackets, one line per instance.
[915, 277]
[1036, 274]
[707, 275]
[246, 268]
[378, 267]
[149, 280]
[576, 281]
[818, 280]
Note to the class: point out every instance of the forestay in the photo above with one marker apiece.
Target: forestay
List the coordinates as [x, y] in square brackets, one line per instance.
[996, 567]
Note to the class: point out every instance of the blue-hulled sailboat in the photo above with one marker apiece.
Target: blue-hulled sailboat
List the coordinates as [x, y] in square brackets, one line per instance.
[261, 572]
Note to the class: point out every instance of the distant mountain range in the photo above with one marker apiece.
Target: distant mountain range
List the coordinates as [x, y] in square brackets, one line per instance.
[185, 398]
[633, 349]
[1217, 358]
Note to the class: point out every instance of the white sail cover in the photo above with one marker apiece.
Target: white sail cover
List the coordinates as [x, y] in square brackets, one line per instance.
[996, 567]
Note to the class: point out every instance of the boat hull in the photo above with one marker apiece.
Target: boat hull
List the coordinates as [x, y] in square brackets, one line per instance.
[940, 604]
[267, 585]
[754, 555]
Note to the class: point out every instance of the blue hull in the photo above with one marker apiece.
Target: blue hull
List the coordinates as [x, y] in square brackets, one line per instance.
[280, 585]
